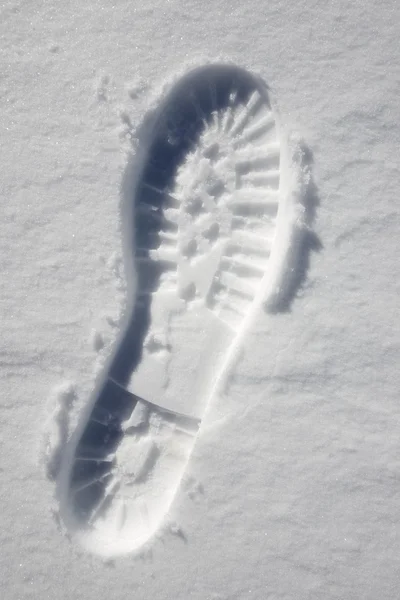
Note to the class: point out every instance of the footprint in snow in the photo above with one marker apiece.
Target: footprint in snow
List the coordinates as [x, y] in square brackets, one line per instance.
[212, 218]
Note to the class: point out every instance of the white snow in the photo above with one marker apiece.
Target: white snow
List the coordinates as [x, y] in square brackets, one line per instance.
[292, 489]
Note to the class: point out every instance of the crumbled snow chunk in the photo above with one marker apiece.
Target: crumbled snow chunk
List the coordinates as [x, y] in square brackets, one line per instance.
[102, 88]
[55, 431]
[136, 88]
[96, 340]
[138, 418]
[112, 321]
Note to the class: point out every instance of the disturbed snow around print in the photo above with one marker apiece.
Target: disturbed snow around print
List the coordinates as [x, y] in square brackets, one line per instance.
[217, 205]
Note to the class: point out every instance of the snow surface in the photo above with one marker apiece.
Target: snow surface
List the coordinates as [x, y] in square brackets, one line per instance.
[292, 490]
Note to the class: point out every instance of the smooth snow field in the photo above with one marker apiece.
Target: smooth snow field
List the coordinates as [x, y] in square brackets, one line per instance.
[200, 300]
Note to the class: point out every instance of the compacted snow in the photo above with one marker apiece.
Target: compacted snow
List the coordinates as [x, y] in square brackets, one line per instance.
[277, 474]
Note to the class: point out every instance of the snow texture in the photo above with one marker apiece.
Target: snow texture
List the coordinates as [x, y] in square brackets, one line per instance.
[292, 488]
